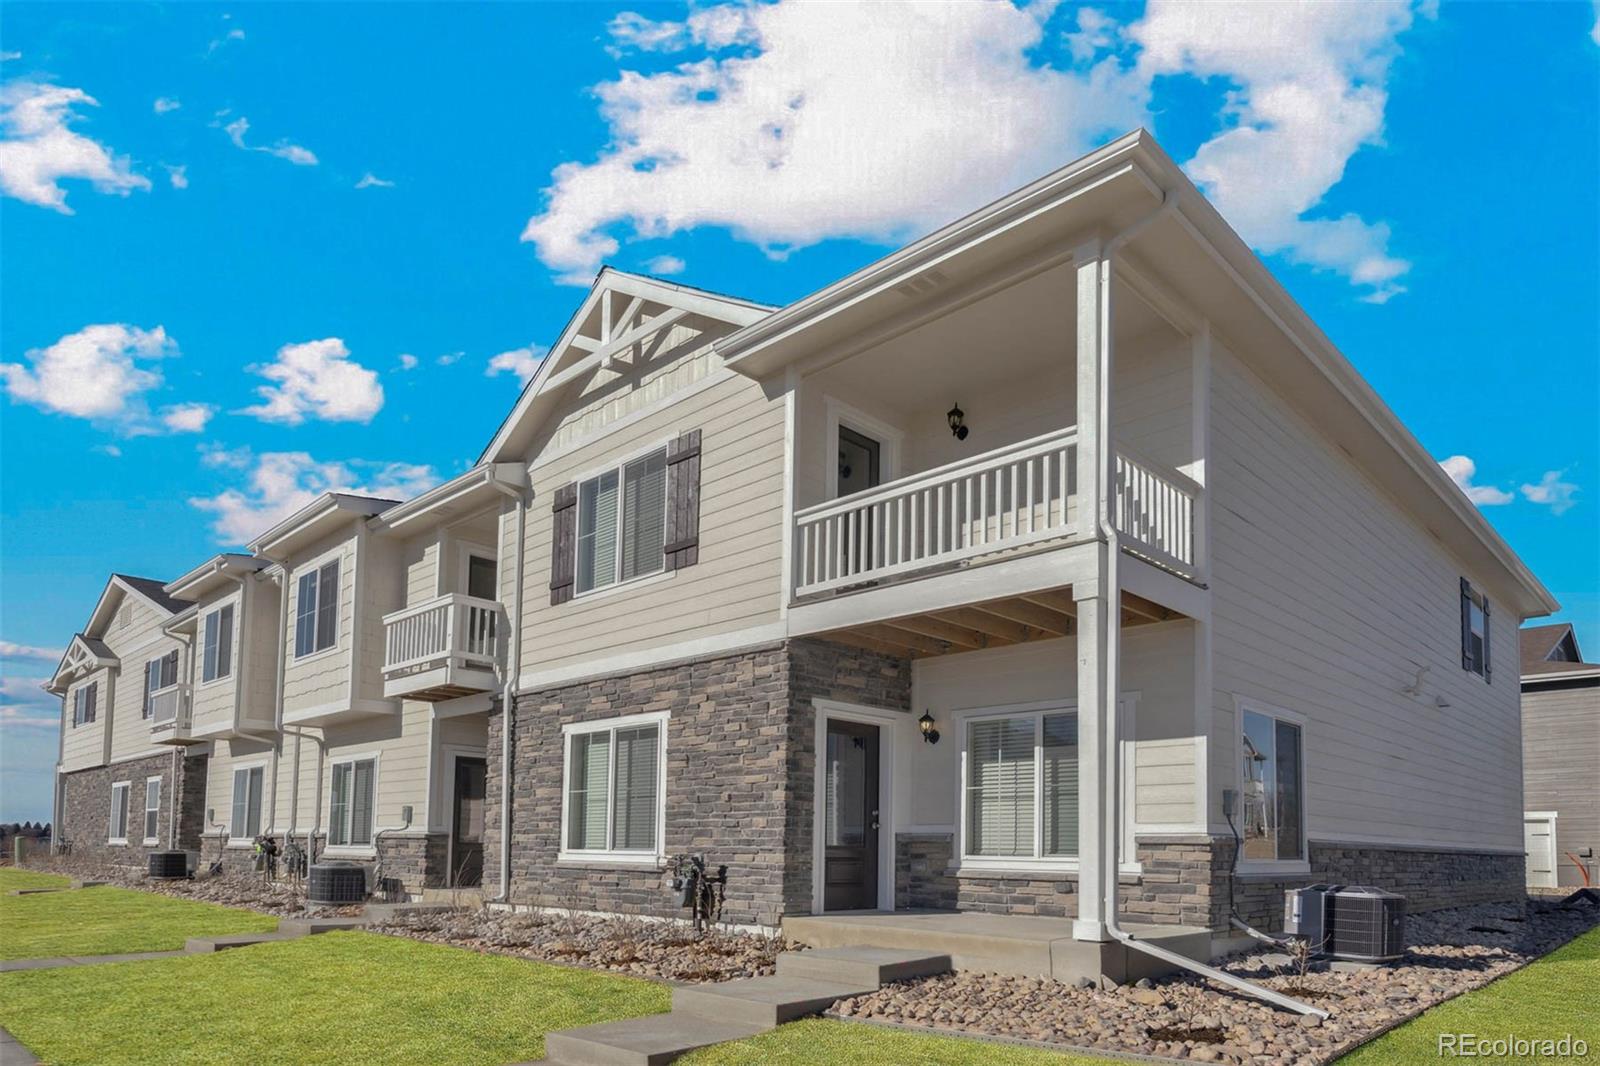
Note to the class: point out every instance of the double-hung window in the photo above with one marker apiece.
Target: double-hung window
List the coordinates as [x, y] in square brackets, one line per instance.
[159, 675]
[217, 644]
[614, 786]
[1474, 630]
[83, 703]
[1272, 811]
[246, 822]
[119, 811]
[152, 808]
[622, 522]
[1020, 787]
[316, 616]
[350, 818]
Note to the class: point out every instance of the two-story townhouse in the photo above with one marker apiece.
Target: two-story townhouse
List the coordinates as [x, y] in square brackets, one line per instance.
[122, 784]
[1025, 570]
[1560, 759]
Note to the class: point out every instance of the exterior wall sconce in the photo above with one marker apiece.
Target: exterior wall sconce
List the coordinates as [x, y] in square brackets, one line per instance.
[929, 734]
[958, 428]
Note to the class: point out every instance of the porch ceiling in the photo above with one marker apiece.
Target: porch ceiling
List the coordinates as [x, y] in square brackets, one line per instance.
[1043, 615]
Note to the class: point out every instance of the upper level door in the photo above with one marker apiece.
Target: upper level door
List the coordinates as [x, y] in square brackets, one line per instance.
[481, 578]
[860, 462]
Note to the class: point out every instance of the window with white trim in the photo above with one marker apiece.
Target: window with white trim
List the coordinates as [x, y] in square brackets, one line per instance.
[83, 703]
[217, 644]
[152, 808]
[246, 821]
[614, 789]
[119, 811]
[159, 675]
[1273, 800]
[350, 814]
[316, 616]
[1020, 785]
[622, 523]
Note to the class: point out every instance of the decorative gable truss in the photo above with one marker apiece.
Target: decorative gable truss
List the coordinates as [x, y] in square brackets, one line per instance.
[83, 656]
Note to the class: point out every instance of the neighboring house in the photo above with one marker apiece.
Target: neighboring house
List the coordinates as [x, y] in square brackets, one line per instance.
[1560, 758]
[727, 572]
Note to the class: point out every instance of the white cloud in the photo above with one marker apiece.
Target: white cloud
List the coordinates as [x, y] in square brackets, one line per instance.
[824, 120]
[665, 264]
[283, 149]
[1553, 492]
[164, 104]
[1462, 470]
[523, 362]
[38, 150]
[316, 378]
[449, 358]
[234, 34]
[6, 57]
[369, 180]
[10, 649]
[1310, 93]
[1594, 32]
[178, 175]
[1096, 31]
[101, 373]
[111, 450]
[280, 483]
[408, 361]
[29, 716]
[187, 417]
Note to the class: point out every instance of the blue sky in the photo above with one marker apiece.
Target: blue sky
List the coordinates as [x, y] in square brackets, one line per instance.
[250, 253]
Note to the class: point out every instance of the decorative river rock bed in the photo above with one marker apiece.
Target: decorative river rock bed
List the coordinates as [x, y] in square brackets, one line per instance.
[1187, 1017]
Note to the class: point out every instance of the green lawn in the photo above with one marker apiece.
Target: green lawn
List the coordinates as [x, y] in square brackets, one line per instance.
[1546, 1000]
[12, 879]
[337, 997]
[111, 921]
[825, 1042]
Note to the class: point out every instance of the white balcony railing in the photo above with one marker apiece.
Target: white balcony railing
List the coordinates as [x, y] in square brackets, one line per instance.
[450, 630]
[169, 711]
[998, 501]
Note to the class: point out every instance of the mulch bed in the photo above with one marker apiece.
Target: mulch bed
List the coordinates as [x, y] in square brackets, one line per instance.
[1187, 1017]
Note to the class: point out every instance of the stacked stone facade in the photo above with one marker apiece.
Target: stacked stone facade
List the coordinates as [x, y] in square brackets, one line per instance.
[86, 807]
[410, 862]
[741, 759]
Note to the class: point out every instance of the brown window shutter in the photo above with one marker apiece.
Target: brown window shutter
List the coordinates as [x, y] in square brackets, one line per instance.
[1486, 678]
[683, 501]
[563, 543]
[1466, 625]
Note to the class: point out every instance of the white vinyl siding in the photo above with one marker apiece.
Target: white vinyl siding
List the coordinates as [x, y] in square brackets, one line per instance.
[1021, 797]
[119, 811]
[246, 821]
[621, 523]
[152, 808]
[613, 789]
[316, 619]
[217, 661]
[350, 813]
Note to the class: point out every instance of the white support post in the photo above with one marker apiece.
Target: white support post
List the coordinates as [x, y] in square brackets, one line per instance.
[1198, 468]
[1094, 604]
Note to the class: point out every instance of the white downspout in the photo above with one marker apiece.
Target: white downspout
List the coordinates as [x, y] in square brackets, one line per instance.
[521, 495]
[1112, 808]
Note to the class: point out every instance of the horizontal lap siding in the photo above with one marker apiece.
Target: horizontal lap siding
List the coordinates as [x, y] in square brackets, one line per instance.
[1561, 766]
[135, 644]
[213, 703]
[261, 667]
[320, 679]
[422, 570]
[83, 746]
[1151, 412]
[735, 583]
[1324, 596]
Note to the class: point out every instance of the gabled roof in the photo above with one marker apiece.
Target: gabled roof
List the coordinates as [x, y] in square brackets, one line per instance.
[155, 591]
[83, 654]
[1551, 652]
[148, 589]
[621, 310]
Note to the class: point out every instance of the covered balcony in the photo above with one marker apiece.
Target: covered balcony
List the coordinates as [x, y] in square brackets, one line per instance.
[172, 716]
[443, 648]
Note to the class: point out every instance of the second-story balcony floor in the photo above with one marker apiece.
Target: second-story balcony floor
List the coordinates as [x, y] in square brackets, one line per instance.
[444, 648]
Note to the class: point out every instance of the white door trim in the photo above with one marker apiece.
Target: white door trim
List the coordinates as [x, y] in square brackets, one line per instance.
[886, 721]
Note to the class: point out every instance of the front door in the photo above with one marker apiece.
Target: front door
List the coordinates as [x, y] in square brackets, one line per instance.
[1539, 837]
[466, 855]
[850, 817]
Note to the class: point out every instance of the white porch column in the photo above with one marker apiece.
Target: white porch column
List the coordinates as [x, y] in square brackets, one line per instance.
[1094, 602]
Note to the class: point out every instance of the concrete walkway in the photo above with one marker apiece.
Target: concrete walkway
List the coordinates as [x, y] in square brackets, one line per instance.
[13, 1053]
[82, 960]
[807, 982]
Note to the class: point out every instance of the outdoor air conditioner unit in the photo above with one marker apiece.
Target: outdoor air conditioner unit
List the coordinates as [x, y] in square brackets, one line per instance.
[336, 883]
[1355, 922]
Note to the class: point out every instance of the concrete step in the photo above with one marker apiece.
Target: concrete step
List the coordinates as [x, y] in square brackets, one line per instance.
[313, 926]
[649, 1041]
[205, 945]
[764, 1001]
[861, 966]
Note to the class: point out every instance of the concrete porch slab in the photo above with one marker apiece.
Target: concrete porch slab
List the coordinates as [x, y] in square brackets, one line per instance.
[1026, 945]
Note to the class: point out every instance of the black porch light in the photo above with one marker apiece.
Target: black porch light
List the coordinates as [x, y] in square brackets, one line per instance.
[925, 723]
[958, 428]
